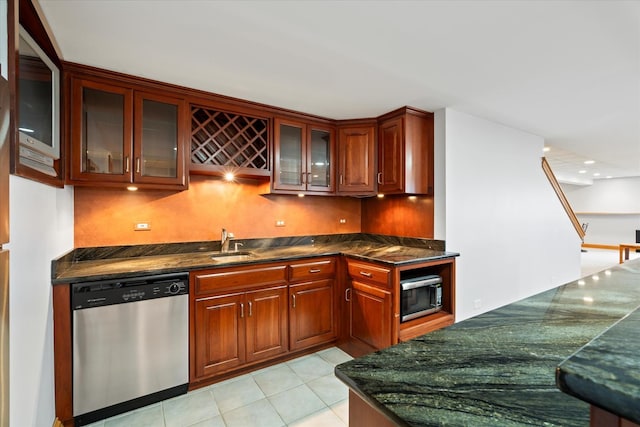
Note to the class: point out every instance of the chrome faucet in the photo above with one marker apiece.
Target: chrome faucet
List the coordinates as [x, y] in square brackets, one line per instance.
[224, 240]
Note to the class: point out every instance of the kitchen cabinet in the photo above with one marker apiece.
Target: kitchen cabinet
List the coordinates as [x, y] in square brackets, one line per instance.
[303, 157]
[312, 310]
[405, 152]
[356, 159]
[121, 134]
[238, 328]
[370, 305]
[239, 317]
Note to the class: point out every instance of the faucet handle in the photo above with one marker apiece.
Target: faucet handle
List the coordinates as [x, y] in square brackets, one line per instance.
[235, 246]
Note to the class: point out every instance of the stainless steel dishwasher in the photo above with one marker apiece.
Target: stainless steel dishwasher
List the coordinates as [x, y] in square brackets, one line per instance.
[130, 344]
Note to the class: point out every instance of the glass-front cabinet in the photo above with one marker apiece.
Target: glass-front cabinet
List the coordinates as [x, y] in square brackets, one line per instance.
[119, 135]
[303, 157]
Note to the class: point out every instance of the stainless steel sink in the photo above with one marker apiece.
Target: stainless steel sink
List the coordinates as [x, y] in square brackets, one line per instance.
[232, 256]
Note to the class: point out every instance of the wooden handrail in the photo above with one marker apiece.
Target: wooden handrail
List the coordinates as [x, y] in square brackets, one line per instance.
[563, 199]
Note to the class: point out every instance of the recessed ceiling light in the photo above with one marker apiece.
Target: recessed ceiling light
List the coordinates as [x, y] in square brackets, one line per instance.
[596, 174]
[609, 177]
[589, 162]
[582, 171]
[546, 149]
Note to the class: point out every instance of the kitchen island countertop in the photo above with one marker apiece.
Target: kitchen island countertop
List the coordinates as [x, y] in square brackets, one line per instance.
[498, 368]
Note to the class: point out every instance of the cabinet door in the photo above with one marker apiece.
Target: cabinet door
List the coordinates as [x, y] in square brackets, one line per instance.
[159, 139]
[390, 156]
[219, 334]
[266, 323]
[370, 315]
[356, 151]
[311, 314]
[320, 155]
[101, 132]
[289, 156]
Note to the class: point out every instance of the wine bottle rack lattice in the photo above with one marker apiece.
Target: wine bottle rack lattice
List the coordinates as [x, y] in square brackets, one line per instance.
[227, 139]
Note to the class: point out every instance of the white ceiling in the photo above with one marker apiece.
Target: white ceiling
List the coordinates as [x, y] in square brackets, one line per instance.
[568, 71]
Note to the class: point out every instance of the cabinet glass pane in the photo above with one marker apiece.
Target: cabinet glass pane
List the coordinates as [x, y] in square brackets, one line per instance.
[102, 132]
[290, 155]
[159, 139]
[320, 158]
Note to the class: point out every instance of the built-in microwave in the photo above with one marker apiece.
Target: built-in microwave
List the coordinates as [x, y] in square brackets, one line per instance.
[420, 296]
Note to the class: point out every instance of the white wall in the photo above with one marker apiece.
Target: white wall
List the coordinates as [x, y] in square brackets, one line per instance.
[41, 230]
[611, 207]
[502, 215]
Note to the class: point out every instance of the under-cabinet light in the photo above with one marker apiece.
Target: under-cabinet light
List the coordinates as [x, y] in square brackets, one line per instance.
[413, 198]
[300, 195]
[132, 188]
[380, 196]
[229, 176]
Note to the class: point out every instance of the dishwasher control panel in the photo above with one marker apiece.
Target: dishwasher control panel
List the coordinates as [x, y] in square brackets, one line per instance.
[127, 290]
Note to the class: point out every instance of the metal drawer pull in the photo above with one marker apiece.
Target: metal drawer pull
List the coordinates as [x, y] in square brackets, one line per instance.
[315, 270]
[379, 177]
[294, 300]
[341, 179]
[366, 274]
[346, 294]
[241, 310]
[137, 164]
[126, 164]
[250, 309]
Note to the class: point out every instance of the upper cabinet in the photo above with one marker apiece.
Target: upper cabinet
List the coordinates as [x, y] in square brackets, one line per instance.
[126, 135]
[405, 152]
[356, 154]
[225, 142]
[303, 157]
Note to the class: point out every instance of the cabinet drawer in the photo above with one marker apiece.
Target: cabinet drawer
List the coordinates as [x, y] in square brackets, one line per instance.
[310, 270]
[368, 272]
[238, 277]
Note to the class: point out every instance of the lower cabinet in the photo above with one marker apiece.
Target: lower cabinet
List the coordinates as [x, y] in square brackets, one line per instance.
[312, 316]
[246, 315]
[370, 315]
[233, 329]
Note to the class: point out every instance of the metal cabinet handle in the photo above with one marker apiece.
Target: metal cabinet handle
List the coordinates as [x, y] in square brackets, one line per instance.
[137, 164]
[379, 178]
[366, 274]
[314, 270]
[126, 164]
[346, 294]
[302, 175]
[309, 178]
[293, 300]
[250, 309]
[341, 179]
[241, 310]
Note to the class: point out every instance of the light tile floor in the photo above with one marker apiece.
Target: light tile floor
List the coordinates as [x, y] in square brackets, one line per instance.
[302, 392]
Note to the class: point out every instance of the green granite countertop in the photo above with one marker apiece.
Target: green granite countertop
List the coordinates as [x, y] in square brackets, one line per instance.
[605, 371]
[498, 368]
[128, 261]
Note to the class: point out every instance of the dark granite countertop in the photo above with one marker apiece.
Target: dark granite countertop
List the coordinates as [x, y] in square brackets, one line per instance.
[498, 368]
[126, 261]
[605, 371]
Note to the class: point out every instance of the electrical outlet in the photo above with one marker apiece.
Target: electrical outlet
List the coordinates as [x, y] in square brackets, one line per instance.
[142, 226]
[280, 223]
[343, 221]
